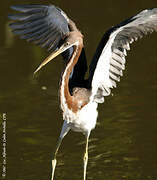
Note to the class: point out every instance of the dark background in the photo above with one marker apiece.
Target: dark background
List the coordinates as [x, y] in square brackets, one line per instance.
[124, 144]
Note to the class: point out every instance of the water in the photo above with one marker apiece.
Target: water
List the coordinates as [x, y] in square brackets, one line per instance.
[123, 145]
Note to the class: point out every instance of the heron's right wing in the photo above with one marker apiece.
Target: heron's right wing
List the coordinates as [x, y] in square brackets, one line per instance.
[109, 61]
[45, 25]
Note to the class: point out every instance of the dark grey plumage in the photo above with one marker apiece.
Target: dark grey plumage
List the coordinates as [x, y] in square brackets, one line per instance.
[45, 25]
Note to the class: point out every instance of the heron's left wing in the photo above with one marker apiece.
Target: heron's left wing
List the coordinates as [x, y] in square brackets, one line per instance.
[45, 25]
[109, 61]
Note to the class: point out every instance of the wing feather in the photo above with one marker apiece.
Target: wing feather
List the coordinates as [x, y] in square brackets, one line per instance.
[109, 61]
[48, 26]
[45, 25]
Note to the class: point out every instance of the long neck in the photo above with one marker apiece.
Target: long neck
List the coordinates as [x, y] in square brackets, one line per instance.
[67, 101]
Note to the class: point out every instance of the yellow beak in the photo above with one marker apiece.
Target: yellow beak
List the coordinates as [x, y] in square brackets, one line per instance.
[63, 48]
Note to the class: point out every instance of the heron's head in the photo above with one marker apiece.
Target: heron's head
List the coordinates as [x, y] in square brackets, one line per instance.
[73, 39]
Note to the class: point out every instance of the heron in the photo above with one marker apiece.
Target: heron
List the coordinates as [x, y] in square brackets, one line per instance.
[51, 28]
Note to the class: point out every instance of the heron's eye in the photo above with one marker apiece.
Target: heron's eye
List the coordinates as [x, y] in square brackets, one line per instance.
[67, 43]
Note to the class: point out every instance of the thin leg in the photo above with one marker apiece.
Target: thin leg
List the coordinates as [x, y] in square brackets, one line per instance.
[65, 129]
[54, 161]
[85, 159]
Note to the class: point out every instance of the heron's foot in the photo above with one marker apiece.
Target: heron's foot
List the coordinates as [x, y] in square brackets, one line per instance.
[85, 165]
[85, 158]
[54, 162]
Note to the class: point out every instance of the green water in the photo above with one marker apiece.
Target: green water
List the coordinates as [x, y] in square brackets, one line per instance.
[124, 144]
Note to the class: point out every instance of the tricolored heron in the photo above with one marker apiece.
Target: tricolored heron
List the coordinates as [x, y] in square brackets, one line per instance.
[50, 27]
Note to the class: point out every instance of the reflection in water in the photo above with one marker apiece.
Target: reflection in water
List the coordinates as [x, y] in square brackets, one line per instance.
[123, 145]
[9, 37]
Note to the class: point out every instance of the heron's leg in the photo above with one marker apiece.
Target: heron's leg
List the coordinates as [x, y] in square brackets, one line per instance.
[65, 129]
[54, 161]
[85, 158]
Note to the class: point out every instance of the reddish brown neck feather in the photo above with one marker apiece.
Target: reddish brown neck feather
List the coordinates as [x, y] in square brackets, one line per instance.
[70, 100]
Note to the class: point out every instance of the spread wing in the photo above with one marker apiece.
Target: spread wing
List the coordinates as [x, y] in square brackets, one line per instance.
[109, 61]
[45, 25]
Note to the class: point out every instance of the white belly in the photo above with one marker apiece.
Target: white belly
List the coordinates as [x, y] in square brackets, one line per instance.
[86, 118]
